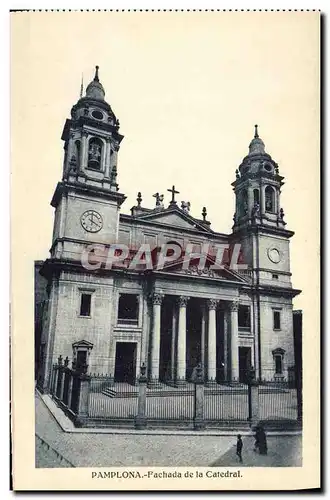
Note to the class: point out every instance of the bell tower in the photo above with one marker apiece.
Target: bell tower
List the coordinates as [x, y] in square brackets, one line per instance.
[259, 218]
[258, 189]
[260, 229]
[87, 200]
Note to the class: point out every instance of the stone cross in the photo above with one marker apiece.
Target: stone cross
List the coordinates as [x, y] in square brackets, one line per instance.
[174, 192]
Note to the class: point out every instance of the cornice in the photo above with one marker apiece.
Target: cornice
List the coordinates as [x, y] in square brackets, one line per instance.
[64, 187]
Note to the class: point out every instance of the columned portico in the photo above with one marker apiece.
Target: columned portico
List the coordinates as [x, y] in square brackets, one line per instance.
[212, 341]
[182, 332]
[181, 338]
[155, 340]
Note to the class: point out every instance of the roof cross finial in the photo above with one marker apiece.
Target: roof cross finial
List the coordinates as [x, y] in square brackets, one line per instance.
[256, 135]
[173, 202]
[96, 77]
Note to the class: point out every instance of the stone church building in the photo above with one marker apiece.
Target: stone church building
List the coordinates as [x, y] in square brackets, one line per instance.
[173, 318]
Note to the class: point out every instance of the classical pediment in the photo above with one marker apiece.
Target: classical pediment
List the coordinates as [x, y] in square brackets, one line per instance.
[206, 271]
[174, 217]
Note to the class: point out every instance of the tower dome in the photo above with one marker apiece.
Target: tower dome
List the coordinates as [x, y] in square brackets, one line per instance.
[257, 145]
[95, 89]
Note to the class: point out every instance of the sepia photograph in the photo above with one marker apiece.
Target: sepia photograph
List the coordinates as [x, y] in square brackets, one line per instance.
[165, 189]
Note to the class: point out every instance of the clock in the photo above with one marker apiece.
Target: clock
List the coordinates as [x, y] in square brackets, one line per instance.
[91, 221]
[274, 255]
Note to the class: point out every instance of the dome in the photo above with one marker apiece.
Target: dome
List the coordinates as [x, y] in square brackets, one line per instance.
[257, 145]
[95, 89]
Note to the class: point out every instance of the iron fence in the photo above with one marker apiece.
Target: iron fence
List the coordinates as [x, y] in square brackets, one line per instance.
[277, 401]
[96, 398]
[109, 399]
[226, 401]
[171, 401]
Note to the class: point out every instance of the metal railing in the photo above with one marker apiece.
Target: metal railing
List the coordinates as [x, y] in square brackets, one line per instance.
[98, 399]
[109, 399]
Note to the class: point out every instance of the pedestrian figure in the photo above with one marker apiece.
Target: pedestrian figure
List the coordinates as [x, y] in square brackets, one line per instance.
[239, 447]
[256, 437]
[262, 441]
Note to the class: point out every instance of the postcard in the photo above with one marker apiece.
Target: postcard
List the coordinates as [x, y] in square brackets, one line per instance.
[165, 250]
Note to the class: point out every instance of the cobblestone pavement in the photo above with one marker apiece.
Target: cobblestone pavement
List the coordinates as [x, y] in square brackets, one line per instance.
[106, 450]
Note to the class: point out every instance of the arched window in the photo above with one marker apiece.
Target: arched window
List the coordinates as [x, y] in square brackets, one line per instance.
[95, 153]
[278, 355]
[244, 206]
[270, 199]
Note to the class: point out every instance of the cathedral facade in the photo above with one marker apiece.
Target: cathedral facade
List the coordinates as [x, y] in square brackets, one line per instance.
[171, 318]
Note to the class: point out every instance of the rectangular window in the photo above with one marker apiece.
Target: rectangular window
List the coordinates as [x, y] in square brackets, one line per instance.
[276, 320]
[81, 358]
[244, 317]
[278, 365]
[85, 304]
[275, 276]
[128, 309]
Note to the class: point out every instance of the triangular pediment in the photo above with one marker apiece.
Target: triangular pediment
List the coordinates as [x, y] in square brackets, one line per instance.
[83, 343]
[174, 217]
[206, 271]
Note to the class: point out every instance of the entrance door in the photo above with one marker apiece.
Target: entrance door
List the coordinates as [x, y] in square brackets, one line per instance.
[125, 362]
[244, 356]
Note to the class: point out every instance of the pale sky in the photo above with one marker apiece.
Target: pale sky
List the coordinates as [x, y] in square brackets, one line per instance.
[187, 89]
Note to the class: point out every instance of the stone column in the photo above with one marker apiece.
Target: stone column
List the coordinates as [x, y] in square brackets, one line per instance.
[53, 380]
[107, 158]
[140, 420]
[173, 341]
[155, 341]
[225, 343]
[203, 326]
[234, 340]
[212, 341]
[113, 159]
[255, 330]
[83, 405]
[199, 399]
[182, 333]
[70, 390]
[253, 400]
[84, 150]
[70, 151]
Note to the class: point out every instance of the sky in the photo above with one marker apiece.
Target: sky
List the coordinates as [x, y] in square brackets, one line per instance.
[187, 89]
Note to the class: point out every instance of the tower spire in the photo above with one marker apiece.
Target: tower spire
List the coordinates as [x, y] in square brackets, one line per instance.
[256, 135]
[96, 77]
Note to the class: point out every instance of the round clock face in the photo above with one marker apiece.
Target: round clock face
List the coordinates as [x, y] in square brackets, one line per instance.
[274, 255]
[91, 221]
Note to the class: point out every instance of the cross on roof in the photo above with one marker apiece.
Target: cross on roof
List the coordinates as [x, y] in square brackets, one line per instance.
[173, 202]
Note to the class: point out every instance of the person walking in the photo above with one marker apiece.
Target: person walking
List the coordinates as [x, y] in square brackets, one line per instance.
[239, 447]
[262, 441]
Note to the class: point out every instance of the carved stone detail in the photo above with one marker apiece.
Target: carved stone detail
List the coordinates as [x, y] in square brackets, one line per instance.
[234, 306]
[212, 303]
[157, 299]
[183, 301]
[200, 272]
